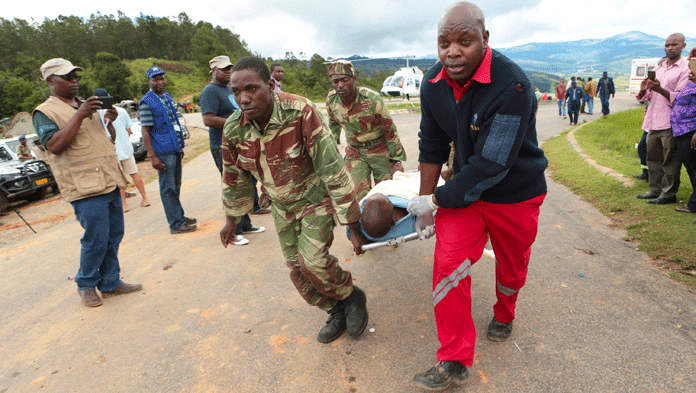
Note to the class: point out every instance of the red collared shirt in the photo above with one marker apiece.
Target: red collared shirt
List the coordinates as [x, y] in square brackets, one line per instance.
[482, 75]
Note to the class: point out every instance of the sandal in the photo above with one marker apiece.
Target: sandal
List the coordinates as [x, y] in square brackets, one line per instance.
[683, 209]
[130, 194]
[145, 203]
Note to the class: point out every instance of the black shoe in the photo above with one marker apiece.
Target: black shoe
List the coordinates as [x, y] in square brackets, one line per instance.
[441, 376]
[647, 196]
[355, 309]
[335, 325]
[499, 331]
[190, 221]
[642, 176]
[664, 201]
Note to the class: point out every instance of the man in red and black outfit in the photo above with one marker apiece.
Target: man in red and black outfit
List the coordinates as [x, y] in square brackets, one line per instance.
[484, 103]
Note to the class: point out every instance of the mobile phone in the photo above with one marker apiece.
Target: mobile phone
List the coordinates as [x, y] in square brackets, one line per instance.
[692, 64]
[651, 75]
[107, 102]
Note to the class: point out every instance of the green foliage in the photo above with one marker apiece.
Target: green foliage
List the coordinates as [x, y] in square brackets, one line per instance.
[611, 142]
[25, 46]
[110, 73]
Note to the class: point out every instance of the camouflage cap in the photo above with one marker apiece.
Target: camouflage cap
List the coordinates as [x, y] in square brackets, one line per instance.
[342, 67]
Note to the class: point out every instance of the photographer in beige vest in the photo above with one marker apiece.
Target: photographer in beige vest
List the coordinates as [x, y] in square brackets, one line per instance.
[85, 164]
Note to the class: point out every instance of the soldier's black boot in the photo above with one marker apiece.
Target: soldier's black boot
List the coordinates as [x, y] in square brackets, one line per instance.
[355, 308]
[441, 376]
[498, 331]
[335, 325]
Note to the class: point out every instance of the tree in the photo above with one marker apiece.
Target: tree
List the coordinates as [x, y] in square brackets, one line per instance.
[205, 46]
[108, 72]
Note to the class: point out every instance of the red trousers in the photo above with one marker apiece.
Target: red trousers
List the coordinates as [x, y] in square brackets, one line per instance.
[461, 237]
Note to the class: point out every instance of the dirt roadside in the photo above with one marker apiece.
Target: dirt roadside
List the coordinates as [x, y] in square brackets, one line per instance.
[51, 210]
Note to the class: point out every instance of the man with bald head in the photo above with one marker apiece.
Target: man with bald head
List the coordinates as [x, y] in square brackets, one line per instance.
[483, 103]
[664, 167]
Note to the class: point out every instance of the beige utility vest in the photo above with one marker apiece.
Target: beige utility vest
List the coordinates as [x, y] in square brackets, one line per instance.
[90, 165]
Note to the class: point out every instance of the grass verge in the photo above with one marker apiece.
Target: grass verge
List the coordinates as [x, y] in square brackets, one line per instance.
[665, 235]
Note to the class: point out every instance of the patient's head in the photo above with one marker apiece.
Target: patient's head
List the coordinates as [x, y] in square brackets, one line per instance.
[377, 216]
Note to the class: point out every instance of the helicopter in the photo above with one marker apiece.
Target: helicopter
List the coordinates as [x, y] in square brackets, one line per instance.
[404, 83]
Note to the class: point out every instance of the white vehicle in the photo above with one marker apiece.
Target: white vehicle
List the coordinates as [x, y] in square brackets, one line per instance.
[639, 71]
[405, 82]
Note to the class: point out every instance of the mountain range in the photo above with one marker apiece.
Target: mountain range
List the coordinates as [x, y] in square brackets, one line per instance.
[547, 61]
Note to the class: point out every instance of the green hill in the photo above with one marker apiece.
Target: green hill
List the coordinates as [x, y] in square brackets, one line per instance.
[183, 78]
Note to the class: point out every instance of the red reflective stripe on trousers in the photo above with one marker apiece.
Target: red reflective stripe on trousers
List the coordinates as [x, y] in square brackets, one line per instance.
[461, 236]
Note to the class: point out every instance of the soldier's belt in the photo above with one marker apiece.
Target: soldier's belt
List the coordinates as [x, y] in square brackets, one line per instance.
[369, 144]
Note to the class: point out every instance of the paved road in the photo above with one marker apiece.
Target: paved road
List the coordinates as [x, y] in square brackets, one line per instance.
[594, 316]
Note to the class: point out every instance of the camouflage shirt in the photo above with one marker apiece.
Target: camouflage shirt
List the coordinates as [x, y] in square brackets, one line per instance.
[294, 157]
[367, 122]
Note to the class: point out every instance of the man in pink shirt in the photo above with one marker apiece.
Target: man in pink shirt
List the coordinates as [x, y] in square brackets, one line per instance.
[664, 166]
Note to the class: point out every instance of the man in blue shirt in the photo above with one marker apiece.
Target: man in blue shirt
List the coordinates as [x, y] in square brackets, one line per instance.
[164, 141]
[217, 104]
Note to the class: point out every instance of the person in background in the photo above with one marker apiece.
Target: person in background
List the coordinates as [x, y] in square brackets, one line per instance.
[560, 98]
[682, 118]
[23, 151]
[277, 77]
[374, 148]
[664, 166]
[605, 88]
[124, 149]
[164, 140]
[591, 92]
[573, 98]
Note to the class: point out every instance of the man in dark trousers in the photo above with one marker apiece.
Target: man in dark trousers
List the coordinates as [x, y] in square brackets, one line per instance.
[605, 88]
[485, 104]
[164, 141]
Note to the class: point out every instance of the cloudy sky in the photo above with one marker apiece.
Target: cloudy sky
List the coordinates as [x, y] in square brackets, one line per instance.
[392, 27]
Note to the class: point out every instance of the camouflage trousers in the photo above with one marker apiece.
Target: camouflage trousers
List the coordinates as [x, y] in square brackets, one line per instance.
[316, 274]
[362, 163]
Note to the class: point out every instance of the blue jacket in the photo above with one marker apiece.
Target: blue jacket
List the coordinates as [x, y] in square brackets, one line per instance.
[607, 88]
[497, 158]
[164, 138]
[574, 100]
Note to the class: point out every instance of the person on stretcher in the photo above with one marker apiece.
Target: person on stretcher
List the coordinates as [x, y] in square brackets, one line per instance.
[384, 214]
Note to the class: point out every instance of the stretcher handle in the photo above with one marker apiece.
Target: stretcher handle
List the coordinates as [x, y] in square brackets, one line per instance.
[391, 242]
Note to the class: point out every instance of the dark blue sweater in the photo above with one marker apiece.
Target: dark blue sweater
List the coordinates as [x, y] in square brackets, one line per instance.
[497, 157]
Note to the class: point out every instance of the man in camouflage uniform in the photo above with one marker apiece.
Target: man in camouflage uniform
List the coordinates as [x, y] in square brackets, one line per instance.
[283, 141]
[373, 143]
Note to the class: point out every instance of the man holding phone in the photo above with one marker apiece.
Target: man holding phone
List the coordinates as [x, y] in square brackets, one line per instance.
[85, 164]
[664, 166]
[164, 141]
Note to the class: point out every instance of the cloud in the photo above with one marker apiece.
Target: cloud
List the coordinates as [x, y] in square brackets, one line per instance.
[397, 27]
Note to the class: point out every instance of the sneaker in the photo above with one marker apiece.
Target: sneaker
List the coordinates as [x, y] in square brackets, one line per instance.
[122, 290]
[190, 220]
[183, 229]
[498, 331]
[89, 297]
[254, 229]
[240, 240]
[441, 376]
[355, 308]
[335, 325]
